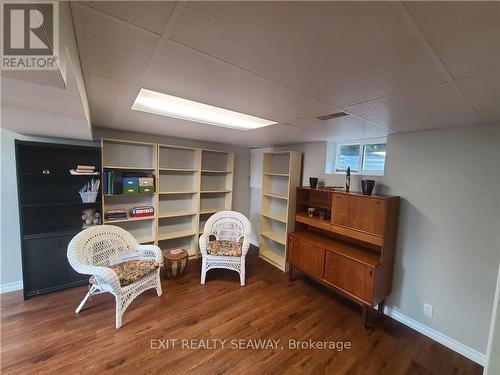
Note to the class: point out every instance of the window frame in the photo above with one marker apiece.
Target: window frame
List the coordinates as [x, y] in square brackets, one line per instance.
[361, 143]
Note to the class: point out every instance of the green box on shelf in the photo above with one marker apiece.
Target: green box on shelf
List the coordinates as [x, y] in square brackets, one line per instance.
[146, 189]
[130, 190]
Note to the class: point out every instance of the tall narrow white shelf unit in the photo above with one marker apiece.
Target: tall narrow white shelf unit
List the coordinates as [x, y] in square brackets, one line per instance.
[178, 197]
[128, 156]
[281, 176]
[191, 184]
[216, 188]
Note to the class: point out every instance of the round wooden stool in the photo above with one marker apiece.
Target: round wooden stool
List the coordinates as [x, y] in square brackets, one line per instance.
[175, 264]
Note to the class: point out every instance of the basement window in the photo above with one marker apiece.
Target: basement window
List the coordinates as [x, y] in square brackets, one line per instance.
[364, 157]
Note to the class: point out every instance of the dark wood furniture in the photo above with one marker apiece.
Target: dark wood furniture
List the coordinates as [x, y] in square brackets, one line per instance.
[50, 210]
[351, 249]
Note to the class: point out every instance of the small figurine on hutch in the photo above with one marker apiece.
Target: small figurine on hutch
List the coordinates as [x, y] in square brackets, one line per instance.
[348, 179]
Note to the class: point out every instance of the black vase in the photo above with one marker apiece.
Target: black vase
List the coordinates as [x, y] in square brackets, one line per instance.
[313, 182]
[367, 186]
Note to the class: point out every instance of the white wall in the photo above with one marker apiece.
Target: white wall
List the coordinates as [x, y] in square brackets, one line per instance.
[448, 248]
[10, 251]
[448, 243]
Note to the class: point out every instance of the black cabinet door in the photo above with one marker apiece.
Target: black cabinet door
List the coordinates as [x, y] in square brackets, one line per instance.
[45, 264]
[71, 275]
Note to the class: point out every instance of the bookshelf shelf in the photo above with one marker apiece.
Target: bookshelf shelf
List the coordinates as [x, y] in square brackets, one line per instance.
[281, 176]
[177, 192]
[177, 214]
[276, 174]
[271, 216]
[128, 168]
[184, 170]
[275, 196]
[73, 203]
[179, 234]
[111, 221]
[215, 171]
[275, 237]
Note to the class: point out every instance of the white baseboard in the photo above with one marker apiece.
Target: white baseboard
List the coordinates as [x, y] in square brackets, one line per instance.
[10, 287]
[453, 344]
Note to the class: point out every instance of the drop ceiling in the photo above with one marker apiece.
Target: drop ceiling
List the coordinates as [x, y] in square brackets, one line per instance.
[391, 66]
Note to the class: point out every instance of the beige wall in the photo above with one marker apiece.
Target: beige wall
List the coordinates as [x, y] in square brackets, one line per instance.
[11, 270]
[448, 247]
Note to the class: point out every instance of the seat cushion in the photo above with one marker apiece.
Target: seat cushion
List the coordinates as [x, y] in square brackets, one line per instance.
[131, 271]
[224, 248]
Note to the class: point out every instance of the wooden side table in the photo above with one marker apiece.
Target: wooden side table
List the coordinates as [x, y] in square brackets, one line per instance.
[175, 264]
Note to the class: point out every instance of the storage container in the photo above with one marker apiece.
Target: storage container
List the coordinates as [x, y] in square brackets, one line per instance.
[146, 181]
[130, 190]
[146, 189]
[130, 182]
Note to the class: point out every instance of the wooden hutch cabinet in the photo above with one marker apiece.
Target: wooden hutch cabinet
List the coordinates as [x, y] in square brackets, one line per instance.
[347, 244]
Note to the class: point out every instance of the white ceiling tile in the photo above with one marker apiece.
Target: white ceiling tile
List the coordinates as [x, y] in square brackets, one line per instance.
[150, 15]
[431, 108]
[186, 73]
[106, 96]
[113, 48]
[342, 128]
[30, 108]
[340, 52]
[465, 34]
[483, 91]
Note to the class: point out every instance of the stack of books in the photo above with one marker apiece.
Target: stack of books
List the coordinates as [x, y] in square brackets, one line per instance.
[142, 211]
[112, 183]
[84, 169]
[115, 214]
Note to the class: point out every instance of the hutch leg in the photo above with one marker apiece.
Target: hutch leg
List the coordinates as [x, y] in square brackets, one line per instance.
[380, 307]
[365, 316]
[290, 273]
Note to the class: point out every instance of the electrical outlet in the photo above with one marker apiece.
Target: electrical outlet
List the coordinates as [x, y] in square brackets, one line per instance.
[427, 309]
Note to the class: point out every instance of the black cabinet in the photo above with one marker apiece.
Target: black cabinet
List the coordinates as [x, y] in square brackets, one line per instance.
[50, 211]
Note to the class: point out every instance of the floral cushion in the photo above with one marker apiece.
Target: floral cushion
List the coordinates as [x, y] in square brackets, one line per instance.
[224, 248]
[131, 271]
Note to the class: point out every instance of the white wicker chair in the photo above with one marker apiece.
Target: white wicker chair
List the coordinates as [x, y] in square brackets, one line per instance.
[225, 225]
[94, 249]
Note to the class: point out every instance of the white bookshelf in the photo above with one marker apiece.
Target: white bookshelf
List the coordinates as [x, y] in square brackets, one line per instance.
[216, 188]
[129, 156]
[191, 184]
[281, 176]
[179, 197]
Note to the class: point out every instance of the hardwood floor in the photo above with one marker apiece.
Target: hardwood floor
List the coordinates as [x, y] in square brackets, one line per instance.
[43, 335]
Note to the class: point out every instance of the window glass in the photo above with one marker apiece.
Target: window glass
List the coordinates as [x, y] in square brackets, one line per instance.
[374, 157]
[349, 157]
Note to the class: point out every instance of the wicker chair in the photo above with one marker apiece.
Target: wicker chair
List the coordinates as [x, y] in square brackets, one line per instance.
[94, 250]
[225, 226]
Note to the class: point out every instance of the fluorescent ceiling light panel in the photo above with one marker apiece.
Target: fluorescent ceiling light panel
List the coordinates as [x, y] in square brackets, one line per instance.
[172, 106]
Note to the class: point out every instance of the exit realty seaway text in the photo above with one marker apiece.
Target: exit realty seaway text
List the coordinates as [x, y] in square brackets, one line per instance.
[247, 344]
